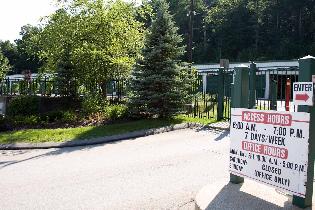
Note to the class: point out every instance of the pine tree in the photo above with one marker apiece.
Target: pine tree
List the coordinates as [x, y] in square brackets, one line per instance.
[159, 83]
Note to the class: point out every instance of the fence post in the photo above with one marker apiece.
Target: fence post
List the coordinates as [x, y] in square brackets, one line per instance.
[252, 85]
[240, 93]
[273, 94]
[220, 87]
[307, 69]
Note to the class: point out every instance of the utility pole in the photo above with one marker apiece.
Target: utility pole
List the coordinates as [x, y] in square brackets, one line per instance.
[191, 32]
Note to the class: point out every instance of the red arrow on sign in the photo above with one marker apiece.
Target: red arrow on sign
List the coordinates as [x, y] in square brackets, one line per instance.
[301, 97]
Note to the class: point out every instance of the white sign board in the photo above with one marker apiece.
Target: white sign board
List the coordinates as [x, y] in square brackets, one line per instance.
[270, 147]
[303, 93]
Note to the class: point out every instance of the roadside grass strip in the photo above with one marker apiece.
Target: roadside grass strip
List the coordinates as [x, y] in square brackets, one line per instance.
[72, 134]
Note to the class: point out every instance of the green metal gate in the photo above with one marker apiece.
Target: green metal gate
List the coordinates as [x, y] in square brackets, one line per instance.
[211, 94]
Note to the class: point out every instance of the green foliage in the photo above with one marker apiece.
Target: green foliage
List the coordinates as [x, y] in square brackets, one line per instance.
[145, 13]
[245, 30]
[53, 116]
[9, 51]
[158, 82]
[28, 49]
[93, 103]
[95, 41]
[116, 112]
[3, 124]
[62, 135]
[23, 106]
[23, 54]
[22, 120]
[69, 117]
[232, 16]
[181, 10]
[66, 78]
[4, 66]
[60, 118]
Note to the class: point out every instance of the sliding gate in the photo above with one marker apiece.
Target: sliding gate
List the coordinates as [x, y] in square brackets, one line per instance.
[211, 91]
[211, 94]
[274, 88]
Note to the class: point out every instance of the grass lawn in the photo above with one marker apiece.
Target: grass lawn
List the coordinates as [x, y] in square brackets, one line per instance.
[70, 134]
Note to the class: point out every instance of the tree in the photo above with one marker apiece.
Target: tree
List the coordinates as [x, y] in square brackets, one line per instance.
[4, 66]
[233, 33]
[9, 51]
[158, 87]
[23, 53]
[66, 77]
[99, 40]
[181, 9]
[28, 49]
[244, 30]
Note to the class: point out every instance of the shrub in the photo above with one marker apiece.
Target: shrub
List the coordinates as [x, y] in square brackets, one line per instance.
[116, 112]
[93, 103]
[31, 120]
[69, 117]
[4, 126]
[59, 116]
[52, 116]
[23, 106]
[53, 104]
[19, 120]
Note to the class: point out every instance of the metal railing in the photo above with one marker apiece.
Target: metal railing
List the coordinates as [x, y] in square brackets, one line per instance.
[51, 87]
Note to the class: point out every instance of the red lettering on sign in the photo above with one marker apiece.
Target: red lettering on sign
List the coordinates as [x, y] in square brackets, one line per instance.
[265, 150]
[267, 118]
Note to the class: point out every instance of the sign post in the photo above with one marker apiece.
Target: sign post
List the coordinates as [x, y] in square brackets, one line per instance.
[307, 70]
[240, 100]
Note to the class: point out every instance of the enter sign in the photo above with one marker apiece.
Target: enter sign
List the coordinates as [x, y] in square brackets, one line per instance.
[303, 93]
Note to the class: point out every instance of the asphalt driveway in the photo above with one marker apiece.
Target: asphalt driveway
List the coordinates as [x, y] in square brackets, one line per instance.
[163, 171]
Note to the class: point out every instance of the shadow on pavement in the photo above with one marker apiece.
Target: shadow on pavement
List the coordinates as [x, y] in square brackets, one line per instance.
[231, 197]
[57, 151]
[9, 163]
[221, 133]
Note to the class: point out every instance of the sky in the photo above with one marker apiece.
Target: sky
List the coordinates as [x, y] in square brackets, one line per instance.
[16, 13]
